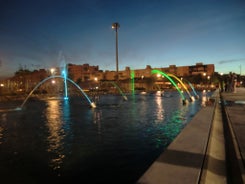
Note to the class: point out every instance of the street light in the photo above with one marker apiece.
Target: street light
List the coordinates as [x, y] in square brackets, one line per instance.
[116, 27]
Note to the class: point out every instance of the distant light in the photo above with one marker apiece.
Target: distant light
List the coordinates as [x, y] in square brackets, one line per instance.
[53, 81]
[115, 25]
[2, 85]
[52, 70]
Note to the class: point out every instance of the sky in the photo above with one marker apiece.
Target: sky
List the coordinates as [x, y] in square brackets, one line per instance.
[35, 34]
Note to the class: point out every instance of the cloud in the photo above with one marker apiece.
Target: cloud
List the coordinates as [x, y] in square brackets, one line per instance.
[231, 60]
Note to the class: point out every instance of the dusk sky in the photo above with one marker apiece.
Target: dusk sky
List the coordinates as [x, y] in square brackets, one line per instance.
[35, 33]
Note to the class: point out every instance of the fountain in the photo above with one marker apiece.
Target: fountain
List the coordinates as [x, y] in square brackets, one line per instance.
[183, 85]
[92, 104]
[173, 83]
[118, 88]
[193, 89]
[67, 139]
[63, 69]
[132, 75]
[64, 73]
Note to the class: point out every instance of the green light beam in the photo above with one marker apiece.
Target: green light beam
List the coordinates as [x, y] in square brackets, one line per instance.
[171, 80]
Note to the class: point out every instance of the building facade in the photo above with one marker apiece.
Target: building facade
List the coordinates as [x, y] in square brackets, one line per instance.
[89, 76]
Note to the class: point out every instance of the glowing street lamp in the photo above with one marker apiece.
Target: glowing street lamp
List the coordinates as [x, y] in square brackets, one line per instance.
[116, 27]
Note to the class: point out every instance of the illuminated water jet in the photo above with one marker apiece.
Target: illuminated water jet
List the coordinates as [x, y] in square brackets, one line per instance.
[92, 104]
[183, 85]
[193, 89]
[118, 88]
[64, 74]
[173, 83]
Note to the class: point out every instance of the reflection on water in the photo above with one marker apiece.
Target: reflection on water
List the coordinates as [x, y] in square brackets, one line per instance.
[119, 138]
[3, 119]
[97, 118]
[159, 109]
[66, 115]
[56, 132]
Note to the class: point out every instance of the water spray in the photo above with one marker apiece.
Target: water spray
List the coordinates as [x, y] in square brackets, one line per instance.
[183, 85]
[174, 84]
[193, 89]
[92, 104]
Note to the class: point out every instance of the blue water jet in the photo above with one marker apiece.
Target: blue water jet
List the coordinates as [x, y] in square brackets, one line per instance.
[64, 74]
[193, 89]
[92, 104]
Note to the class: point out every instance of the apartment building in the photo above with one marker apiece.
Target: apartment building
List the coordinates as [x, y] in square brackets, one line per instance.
[87, 76]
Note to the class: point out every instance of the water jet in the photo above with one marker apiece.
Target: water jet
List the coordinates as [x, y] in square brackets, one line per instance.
[92, 104]
[173, 83]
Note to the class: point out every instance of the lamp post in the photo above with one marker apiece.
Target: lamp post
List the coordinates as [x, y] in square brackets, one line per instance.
[116, 27]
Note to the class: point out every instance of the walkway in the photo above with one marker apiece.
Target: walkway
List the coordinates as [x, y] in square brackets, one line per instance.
[234, 111]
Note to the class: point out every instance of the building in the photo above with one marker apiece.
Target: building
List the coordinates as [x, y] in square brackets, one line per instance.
[88, 77]
[83, 72]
